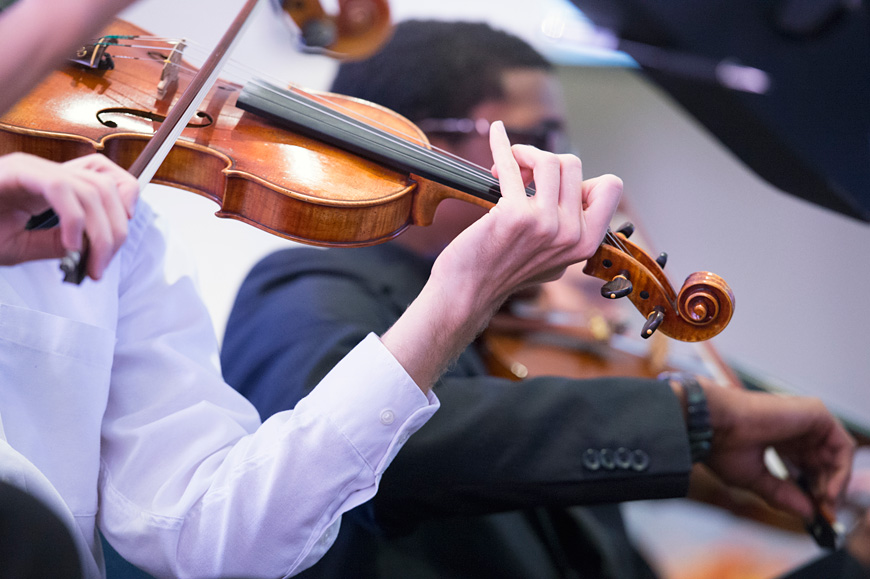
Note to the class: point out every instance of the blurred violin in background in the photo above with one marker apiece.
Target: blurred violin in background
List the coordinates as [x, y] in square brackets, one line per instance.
[356, 31]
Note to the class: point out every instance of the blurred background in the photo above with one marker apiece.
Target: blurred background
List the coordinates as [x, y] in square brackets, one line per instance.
[791, 238]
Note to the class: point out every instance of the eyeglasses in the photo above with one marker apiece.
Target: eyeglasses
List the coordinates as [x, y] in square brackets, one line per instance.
[547, 136]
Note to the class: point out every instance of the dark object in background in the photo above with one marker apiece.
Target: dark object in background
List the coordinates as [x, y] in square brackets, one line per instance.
[809, 133]
[34, 543]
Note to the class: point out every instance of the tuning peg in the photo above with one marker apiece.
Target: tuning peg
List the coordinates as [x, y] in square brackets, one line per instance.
[662, 259]
[626, 229]
[618, 287]
[653, 321]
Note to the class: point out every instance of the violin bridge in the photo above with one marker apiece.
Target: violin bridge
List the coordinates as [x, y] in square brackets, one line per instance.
[169, 74]
[94, 56]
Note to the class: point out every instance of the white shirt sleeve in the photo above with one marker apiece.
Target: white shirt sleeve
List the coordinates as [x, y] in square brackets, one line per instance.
[191, 485]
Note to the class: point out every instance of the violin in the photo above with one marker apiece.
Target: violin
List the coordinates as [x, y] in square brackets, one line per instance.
[356, 31]
[564, 328]
[316, 168]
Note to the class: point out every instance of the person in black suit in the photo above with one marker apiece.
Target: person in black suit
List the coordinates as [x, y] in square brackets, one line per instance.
[492, 485]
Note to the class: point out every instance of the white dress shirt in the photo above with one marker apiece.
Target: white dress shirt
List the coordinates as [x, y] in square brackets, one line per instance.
[112, 405]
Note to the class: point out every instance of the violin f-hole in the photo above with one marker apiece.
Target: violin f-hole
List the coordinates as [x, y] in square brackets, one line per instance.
[201, 119]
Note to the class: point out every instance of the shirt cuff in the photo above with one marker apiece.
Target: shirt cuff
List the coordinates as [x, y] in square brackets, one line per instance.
[373, 401]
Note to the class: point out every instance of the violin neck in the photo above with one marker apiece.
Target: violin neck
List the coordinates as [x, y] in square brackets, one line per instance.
[324, 123]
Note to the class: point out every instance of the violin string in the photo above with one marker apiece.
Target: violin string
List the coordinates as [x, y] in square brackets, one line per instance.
[376, 129]
[476, 171]
[379, 130]
[191, 70]
[614, 240]
[463, 165]
[373, 126]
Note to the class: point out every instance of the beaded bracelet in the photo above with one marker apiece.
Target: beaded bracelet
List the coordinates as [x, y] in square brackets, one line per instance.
[697, 415]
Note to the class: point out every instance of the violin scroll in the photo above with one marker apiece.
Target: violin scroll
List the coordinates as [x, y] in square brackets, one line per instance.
[705, 298]
[701, 310]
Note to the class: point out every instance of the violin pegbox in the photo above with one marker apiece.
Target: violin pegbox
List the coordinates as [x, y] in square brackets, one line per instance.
[702, 308]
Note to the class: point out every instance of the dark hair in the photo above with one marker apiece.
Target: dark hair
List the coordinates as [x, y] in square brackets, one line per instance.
[437, 69]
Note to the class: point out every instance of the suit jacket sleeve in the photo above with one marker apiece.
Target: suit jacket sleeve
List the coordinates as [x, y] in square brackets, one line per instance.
[495, 445]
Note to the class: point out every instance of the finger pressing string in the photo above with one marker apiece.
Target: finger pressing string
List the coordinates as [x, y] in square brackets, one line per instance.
[506, 167]
[546, 170]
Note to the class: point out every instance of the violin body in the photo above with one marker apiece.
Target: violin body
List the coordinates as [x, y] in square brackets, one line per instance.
[280, 181]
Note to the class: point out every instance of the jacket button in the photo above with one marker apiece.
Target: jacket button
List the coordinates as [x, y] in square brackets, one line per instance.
[607, 459]
[623, 458]
[639, 460]
[591, 460]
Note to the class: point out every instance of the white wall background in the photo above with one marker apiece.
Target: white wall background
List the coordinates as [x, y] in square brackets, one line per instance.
[797, 271]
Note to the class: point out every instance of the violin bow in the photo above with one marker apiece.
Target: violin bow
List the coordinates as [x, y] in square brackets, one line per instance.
[74, 265]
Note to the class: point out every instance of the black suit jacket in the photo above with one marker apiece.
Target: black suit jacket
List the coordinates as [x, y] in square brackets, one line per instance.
[489, 487]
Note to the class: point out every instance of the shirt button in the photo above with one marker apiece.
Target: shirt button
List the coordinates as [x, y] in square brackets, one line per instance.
[591, 460]
[325, 537]
[329, 534]
[387, 417]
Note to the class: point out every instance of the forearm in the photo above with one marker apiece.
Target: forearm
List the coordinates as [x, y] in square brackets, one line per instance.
[438, 326]
[30, 56]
